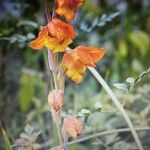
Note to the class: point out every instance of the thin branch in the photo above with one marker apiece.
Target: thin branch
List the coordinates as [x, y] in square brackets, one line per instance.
[80, 140]
[118, 104]
[47, 12]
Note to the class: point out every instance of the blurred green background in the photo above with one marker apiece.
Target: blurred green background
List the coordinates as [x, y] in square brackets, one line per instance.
[122, 27]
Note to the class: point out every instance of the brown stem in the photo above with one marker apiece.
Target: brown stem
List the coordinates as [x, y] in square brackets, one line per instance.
[47, 12]
[53, 66]
[51, 60]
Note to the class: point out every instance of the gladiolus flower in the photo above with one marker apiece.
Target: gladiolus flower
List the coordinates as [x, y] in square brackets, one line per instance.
[72, 126]
[68, 8]
[75, 61]
[56, 99]
[57, 35]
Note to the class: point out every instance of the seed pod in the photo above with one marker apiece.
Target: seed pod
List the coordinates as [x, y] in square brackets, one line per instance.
[72, 126]
[56, 99]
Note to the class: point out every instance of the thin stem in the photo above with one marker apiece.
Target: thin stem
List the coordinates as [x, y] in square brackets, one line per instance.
[117, 103]
[80, 140]
[52, 63]
[47, 12]
[59, 133]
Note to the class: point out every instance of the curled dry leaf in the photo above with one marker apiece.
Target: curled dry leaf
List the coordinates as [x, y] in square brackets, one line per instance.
[72, 126]
[56, 99]
[22, 143]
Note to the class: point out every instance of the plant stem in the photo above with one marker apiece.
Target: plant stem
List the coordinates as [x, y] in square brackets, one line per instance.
[59, 134]
[101, 134]
[118, 104]
[52, 63]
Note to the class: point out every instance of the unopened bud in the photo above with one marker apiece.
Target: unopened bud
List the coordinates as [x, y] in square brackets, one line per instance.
[72, 126]
[56, 99]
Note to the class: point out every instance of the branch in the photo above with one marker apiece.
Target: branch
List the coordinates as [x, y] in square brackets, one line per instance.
[118, 104]
[80, 140]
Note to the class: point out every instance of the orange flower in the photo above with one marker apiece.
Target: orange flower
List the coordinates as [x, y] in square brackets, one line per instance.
[75, 61]
[57, 35]
[68, 8]
[72, 126]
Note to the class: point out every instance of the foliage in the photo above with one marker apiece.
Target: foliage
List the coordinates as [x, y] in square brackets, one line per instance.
[121, 27]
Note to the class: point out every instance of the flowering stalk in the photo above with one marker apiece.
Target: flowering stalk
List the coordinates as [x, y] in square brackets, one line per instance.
[52, 62]
[56, 37]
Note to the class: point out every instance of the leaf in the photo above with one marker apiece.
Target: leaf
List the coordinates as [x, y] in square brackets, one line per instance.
[121, 86]
[22, 143]
[140, 40]
[26, 92]
[6, 140]
[123, 49]
[28, 129]
[139, 78]
[24, 136]
[27, 23]
[85, 111]
[98, 106]
[97, 22]
[116, 122]
[130, 80]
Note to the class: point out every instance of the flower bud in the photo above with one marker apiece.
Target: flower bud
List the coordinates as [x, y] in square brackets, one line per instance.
[72, 126]
[56, 99]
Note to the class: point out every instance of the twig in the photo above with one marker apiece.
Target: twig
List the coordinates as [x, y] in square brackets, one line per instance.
[118, 104]
[47, 12]
[80, 140]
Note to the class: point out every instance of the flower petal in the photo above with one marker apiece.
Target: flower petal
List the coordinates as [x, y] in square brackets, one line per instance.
[72, 67]
[68, 8]
[60, 30]
[38, 43]
[67, 12]
[89, 55]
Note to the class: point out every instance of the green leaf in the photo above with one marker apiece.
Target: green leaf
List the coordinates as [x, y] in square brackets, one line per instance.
[97, 22]
[27, 23]
[130, 80]
[123, 49]
[85, 111]
[6, 140]
[98, 106]
[121, 86]
[140, 40]
[26, 92]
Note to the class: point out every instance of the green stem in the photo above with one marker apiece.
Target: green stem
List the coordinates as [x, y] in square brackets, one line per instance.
[52, 63]
[118, 104]
[59, 133]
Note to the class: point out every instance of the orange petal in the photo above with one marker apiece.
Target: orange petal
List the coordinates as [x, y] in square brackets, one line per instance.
[61, 47]
[60, 30]
[72, 66]
[89, 55]
[38, 43]
[67, 12]
[72, 125]
[68, 8]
